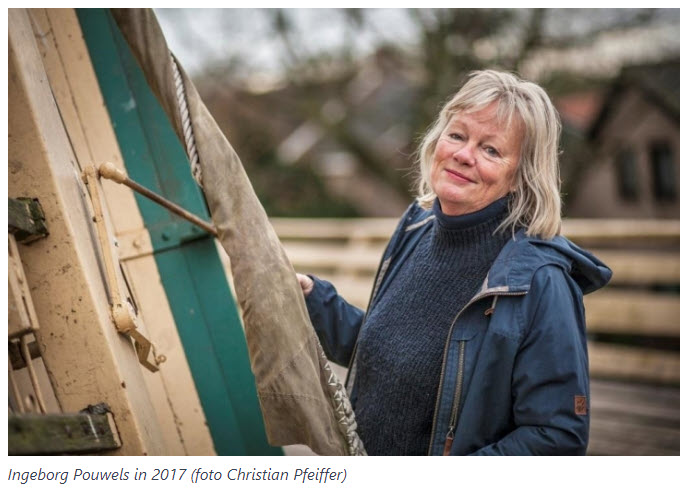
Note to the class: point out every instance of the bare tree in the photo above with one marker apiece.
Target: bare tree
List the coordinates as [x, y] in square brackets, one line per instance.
[343, 97]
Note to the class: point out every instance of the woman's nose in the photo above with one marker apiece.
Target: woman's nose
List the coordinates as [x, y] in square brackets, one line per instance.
[465, 154]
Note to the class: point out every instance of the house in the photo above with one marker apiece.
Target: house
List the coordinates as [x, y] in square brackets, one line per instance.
[635, 141]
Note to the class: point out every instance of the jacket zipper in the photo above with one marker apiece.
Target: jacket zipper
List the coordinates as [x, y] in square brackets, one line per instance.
[457, 401]
[477, 297]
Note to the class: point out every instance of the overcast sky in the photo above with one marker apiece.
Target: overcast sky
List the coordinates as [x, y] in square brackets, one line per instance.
[199, 36]
[202, 36]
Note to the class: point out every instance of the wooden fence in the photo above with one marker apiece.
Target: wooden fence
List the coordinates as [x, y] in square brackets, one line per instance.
[633, 324]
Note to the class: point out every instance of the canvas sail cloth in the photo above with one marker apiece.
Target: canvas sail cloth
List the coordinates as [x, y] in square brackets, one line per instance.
[301, 399]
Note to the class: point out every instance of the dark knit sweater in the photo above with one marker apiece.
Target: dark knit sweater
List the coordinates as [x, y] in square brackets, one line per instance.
[401, 344]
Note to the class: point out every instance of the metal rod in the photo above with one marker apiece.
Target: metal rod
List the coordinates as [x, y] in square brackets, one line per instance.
[110, 171]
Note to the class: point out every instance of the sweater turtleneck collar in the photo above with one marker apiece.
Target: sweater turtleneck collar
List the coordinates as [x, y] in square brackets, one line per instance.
[475, 230]
[496, 210]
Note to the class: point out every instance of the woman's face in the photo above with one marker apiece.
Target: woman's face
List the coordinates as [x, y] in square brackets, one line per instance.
[475, 161]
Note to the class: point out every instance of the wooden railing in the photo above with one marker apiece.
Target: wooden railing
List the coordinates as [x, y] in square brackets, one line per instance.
[635, 401]
[643, 255]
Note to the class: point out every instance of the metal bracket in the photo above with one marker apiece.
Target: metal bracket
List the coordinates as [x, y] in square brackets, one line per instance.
[124, 316]
[25, 219]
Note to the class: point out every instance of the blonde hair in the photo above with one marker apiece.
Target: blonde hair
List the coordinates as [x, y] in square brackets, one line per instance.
[536, 201]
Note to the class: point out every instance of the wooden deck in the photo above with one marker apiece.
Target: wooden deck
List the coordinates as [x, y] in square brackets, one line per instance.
[630, 419]
[634, 402]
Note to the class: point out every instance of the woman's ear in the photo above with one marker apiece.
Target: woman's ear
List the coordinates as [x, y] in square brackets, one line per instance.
[514, 183]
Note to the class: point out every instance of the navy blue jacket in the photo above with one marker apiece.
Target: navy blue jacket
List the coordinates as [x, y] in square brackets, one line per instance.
[514, 375]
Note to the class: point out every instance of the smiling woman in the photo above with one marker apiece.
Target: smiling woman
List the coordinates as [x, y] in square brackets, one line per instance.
[475, 160]
[512, 111]
[474, 340]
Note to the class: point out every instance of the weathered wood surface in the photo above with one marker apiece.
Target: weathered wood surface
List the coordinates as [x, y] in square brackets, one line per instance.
[176, 408]
[641, 267]
[634, 363]
[348, 252]
[632, 312]
[608, 311]
[578, 230]
[88, 360]
[32, 434]
[634, 420]
[636, 267]
[21, 314]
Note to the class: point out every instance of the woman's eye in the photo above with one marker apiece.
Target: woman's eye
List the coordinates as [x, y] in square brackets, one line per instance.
[456, 136]
[491, 151]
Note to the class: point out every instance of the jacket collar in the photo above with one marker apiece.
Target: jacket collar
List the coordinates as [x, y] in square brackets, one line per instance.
[521, 257]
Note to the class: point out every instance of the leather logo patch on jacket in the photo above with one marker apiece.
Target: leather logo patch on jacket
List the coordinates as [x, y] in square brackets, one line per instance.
[580, 405]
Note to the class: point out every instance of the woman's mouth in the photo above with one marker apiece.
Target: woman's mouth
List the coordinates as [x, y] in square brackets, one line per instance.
[455, 175]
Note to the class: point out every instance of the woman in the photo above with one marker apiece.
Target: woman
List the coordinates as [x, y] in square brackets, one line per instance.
[474, 340]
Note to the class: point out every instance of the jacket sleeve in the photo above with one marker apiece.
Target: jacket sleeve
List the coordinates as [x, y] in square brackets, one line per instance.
[550, 382]
[336, 321]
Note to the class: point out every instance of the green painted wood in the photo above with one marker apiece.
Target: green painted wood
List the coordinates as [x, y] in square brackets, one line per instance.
[79, 433]
[190, 267]
[199, 342]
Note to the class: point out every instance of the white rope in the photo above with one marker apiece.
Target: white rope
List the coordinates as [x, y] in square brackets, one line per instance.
[340, 402]
[342, 408]
[186, 124]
